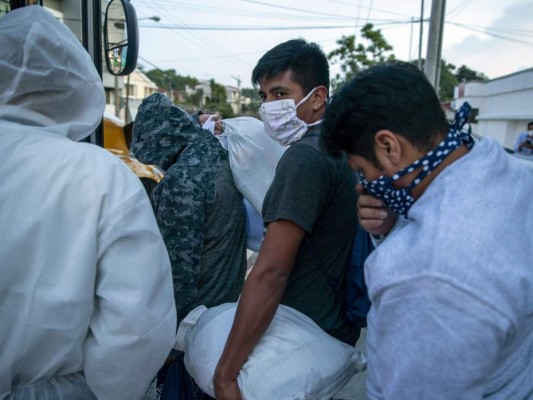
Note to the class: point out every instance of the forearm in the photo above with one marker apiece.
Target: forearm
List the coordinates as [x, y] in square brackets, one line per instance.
[259, 301]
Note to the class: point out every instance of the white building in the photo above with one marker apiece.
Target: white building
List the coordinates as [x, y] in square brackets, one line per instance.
[503, 105]
[137, 87]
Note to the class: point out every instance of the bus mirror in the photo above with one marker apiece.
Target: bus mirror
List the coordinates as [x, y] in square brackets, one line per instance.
[121, 37]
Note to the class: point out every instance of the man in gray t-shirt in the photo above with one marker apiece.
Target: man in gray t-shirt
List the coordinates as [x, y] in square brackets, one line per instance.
[310, 211]
[321, 201]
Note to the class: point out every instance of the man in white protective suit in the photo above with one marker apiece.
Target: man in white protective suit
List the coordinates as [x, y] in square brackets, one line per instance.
[86, 300]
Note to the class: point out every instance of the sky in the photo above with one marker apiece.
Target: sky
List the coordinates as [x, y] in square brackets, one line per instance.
[494, 37]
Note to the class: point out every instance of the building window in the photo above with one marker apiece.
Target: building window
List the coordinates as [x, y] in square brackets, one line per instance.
[148, 91]
[131, 90]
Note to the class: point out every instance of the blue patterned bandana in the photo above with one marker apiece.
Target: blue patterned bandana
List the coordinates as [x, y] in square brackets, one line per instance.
[400, 200]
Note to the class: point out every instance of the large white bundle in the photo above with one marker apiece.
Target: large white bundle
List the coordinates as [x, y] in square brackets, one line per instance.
[253, 157]
[295, 358]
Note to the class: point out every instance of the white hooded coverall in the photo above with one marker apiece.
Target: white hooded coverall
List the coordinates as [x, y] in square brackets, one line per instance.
[86, 301]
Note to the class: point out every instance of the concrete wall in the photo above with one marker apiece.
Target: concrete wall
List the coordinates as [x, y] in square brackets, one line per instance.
[505, 105]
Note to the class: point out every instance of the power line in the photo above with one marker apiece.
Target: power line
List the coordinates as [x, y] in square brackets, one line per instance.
[149, 63]
[374, 9]
[263, 27]
[459, 9]
[490, 34]
[261, 51]
[292, 8]
[236, 12]
[204, 43]
[369, 11]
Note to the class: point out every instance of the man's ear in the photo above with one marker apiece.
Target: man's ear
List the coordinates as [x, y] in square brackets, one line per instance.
[320, 96]
[388, 149]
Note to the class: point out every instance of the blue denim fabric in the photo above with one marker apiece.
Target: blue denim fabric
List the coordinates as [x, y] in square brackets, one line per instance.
[175, 383]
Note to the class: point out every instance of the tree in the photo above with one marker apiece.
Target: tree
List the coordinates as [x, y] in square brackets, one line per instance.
[169, 80]
[217, 102]
[223, 109]
[371, 50]
[448, 81]
[255, 100]
[450, 77]
[467, 74]
[218, 93]
[196, 98]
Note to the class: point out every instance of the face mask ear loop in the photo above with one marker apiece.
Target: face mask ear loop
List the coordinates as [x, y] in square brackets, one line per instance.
[306, 97]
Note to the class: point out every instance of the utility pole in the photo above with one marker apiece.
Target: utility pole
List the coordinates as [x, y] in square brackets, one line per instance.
[411, 40]
[117, 98]
[126, 119]
[169, 84]
[238, 79]
[421, 34]
[436, 29]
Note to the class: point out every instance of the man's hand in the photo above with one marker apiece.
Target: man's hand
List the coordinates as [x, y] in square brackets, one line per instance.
[373, 215]
[226, 389]
[219, 128]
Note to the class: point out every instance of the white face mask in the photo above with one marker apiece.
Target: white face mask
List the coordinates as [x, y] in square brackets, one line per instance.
[281, 121]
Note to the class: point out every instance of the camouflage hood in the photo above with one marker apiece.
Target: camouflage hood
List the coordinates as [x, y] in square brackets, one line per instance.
[162, 131]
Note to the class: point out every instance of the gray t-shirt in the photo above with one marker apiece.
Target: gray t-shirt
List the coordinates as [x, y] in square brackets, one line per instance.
[317, 192]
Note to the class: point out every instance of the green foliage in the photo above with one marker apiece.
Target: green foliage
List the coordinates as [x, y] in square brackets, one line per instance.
[450, 77]
[168, 79]
[372, 49]
[218, 93]
[224, 109]
[251, 93]
[448, 81]
[255, 102]
[465, 73]
[196, 98]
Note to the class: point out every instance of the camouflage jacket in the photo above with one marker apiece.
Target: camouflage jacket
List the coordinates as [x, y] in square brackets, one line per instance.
[199, 211]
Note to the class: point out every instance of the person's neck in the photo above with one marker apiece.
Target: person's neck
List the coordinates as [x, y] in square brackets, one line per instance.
[419, 189]
[315, 116]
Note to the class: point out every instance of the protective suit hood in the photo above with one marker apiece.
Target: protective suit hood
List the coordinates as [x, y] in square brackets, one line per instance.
[162, 131]
[47, 76]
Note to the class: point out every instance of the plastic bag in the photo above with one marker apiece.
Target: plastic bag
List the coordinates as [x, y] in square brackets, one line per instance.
[253, 157]
[295, 358]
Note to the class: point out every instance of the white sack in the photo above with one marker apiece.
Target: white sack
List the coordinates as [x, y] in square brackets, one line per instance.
[253, 157]
[295, 358]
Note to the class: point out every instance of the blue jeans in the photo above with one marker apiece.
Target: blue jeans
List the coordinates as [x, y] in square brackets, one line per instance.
[175, 383]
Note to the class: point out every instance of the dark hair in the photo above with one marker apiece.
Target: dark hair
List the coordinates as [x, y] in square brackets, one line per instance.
[307, 62]
[529, 124]
[394, 96]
